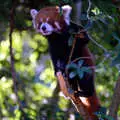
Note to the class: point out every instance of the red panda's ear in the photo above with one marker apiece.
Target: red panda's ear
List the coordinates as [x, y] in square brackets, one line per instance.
[66, 13]
[33, 13]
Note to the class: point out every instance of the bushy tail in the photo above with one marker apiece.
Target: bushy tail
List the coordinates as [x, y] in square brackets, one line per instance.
[92, 105]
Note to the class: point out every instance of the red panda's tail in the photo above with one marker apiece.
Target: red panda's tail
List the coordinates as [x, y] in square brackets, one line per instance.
[92, 105]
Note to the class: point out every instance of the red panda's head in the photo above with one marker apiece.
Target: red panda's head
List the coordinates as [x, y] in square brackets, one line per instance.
[49, 20]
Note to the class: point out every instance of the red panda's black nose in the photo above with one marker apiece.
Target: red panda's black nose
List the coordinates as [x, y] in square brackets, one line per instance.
[43, 28]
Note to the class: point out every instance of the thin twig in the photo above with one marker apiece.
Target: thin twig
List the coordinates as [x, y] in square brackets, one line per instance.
[11, 52]
[99, 45]
[89, 7]
[12, 11]
[80, 58]
[72, 50]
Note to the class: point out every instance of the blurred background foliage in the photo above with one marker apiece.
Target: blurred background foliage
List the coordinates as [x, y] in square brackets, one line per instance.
[37, 86]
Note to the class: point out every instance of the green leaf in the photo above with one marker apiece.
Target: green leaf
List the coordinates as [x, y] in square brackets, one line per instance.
[72, 74]
[80, 73]
[71, 66]
[86, 69]
[80, 63]
[103, 110]
[102, 114]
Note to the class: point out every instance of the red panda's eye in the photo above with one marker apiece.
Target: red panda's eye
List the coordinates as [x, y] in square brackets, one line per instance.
[50, 22]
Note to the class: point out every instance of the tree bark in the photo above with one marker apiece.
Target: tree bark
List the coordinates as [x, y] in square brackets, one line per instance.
[115, 100]
[115, 103]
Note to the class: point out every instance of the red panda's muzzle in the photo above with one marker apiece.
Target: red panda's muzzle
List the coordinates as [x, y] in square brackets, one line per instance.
[45, 29]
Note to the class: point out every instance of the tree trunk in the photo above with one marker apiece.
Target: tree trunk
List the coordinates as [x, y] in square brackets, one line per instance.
[115, 101]
[114, 106]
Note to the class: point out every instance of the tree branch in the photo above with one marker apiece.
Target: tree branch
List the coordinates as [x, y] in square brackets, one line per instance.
[114, 106]
[89, 7]
[13, 72]
[78, 6]
[64, 85]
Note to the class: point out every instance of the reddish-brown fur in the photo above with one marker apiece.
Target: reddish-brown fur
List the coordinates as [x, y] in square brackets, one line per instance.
[92, 103]
[52, 13]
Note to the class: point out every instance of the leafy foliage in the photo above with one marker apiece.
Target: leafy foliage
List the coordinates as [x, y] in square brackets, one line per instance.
[102, 114]
[78, 69]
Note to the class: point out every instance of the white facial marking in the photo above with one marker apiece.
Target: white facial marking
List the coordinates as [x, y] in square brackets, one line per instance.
[57, 25]
[47, 19]
[48, 29]
[41, 20]
[33, 13]
[66, 13]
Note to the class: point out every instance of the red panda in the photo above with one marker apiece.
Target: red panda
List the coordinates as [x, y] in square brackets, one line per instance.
[54, 23]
